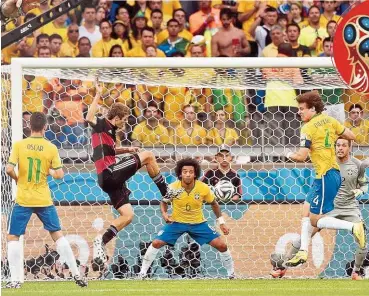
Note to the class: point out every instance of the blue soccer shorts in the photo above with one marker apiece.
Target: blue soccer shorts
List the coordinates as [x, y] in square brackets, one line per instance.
[20, 216]
[202, 233]
[323, 192]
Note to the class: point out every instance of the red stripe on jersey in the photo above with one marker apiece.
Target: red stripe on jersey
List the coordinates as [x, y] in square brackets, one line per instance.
[106, 139]
[103, 163]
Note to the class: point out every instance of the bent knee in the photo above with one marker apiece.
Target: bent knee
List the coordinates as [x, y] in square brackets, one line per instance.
[157, 244]
[220, 245]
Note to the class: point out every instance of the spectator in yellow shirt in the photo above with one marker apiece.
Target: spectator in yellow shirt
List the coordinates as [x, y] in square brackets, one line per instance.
[44, 52]
[276, 34]
[180, 15]
[150, 132]
[56, 27]
[148, 34]
[55, 45]
[121, 31]
[189, 132]
[167, 8]
[221, 134]
[313, 35]
[358, 125]
[139, 22]
[329, 13]
[295, 15]
[103, 46]
[70, 47]
[35, 89]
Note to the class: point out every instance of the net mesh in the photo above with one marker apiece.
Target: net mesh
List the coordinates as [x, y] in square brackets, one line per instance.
[232, 107]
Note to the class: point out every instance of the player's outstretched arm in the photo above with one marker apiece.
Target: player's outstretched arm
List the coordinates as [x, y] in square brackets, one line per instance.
[57, 174]
[94, 105]
[348, 135]
[298, 156]
[11, 172]
[218, 213]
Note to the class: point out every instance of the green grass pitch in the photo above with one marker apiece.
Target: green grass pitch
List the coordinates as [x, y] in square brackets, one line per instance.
[198, 287]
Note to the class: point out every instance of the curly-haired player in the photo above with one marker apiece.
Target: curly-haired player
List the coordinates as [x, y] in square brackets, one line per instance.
[187, 217]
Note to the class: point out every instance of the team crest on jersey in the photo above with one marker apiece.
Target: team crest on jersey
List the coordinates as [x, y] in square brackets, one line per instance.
[299, 53]
[197, 196]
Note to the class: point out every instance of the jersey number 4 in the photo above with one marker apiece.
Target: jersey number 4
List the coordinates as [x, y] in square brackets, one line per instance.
[30, 169]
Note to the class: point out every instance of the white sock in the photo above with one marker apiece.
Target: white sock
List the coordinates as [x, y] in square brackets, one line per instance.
[66, 255]
[147, 260]
[14, 258]
[306, 231]
[227, 261]
[333, 223]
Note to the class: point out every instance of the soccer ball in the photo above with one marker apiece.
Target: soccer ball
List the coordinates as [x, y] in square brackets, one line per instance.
[224, 191]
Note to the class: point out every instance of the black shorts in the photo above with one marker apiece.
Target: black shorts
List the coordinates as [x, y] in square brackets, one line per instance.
[113, 179]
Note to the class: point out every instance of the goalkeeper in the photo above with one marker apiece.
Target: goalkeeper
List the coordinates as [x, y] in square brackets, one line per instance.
[346, 207]
[188, 217]
[111, 173]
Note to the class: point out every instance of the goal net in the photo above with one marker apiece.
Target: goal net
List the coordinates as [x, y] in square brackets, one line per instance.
[180, 107]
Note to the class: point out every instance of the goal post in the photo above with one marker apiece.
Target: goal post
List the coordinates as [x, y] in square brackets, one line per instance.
[264, 221]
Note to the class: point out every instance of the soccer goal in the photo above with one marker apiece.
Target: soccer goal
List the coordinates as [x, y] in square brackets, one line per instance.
[245, 103]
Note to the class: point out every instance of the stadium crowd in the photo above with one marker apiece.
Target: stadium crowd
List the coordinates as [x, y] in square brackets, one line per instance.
[183, 115]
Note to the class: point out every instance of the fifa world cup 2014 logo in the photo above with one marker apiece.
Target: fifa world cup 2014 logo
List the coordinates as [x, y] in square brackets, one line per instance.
[356, 38]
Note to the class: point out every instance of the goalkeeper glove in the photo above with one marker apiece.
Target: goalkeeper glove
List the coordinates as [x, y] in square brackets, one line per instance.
[357, 193]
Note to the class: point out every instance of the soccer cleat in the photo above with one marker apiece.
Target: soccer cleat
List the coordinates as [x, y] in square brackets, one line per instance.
[232, 276]
[171, 194]
[12, 285]
[359, 233]
[299, 259]
[80, 281]
[278, 272]
[142, 277]
[356, 277]
[99, 250]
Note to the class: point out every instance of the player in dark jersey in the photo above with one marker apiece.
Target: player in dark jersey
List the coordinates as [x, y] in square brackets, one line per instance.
[224, 172]
[113, 173]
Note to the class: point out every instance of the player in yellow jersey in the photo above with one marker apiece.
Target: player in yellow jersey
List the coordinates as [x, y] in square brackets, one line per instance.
[187, 217]
[36, 158]
[318, 135]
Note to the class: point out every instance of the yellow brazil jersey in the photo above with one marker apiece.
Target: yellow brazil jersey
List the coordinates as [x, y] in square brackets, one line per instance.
[174, 101]
[214, 137]
[33, 94]
[361, 131]
[150, 137]
[50, 29]
[68, 49]
[102, 48]
[308, 36]
[187, 207]
[196, 137]
[137, 52]
[319, 135]
[323, 22]
[34, 157]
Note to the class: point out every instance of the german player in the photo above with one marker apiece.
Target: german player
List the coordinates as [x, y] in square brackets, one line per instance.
[224, 172]
[346, 207]
[36, 158]
[112, 174]
[187, 217]
[318, 136]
